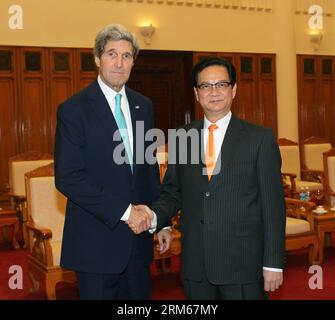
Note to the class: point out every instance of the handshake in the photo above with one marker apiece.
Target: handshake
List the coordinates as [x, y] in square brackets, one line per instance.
[140, 218]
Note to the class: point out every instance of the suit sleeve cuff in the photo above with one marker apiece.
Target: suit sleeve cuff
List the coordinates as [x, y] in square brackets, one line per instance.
[273, 269]
[126, 215]
[153, 226]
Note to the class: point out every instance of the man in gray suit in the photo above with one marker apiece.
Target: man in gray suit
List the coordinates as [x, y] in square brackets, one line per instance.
[233, 208]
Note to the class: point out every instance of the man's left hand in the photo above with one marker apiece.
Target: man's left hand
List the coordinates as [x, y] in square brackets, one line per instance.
[164, 240]
[272, 280]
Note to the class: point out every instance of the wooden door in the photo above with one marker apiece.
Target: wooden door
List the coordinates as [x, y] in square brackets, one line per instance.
[9, 138]
[60, 86]
[85, 68]
[165, 77]
[316, 97]
[246, 105]
[33, 130]
[267, 93]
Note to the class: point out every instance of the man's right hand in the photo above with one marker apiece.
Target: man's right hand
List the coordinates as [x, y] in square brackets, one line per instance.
[139, 219]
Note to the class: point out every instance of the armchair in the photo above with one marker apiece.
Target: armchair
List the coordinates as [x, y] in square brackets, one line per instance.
[291, 170]
[46, 215]
[329, 165]
[312, 160]
[18, 166]
[300, 231]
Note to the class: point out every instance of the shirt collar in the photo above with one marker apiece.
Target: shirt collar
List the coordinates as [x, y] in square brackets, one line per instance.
[109, 92]
[222, 123]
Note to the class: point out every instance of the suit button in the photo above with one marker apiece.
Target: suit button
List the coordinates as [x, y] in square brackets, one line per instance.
[202, 221]
[207, 194]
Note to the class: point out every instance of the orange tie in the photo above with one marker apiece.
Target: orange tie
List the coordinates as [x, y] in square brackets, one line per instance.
[210, 152]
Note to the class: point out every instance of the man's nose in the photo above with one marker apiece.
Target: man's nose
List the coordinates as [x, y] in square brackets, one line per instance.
[214, 90]
[119, 61]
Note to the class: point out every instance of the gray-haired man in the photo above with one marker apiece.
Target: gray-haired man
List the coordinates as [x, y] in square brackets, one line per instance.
[110, 261]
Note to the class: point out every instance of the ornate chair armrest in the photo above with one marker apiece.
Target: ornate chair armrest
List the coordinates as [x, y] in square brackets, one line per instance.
[42, 233]
[16, 201]
[300, 210]
[312, 175]
[292, 177]
[41, 248]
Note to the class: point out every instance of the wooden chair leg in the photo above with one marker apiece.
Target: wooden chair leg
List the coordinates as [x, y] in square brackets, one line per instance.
[166, 264]
[35, 284]
[313, 253]
[50, 289]
[16, 228]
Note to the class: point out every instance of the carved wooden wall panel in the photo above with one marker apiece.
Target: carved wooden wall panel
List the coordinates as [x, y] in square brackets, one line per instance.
[33, 129]
[316, 97]
[84, 65]
[8, 111]
[60, 85]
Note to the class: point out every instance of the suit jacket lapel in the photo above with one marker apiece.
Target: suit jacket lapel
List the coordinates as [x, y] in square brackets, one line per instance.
[201, 167]
[231, 141]
[134, 117]
[102, 108]
[104, 112]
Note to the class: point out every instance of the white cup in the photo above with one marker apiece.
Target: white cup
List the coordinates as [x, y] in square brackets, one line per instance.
[320, 209]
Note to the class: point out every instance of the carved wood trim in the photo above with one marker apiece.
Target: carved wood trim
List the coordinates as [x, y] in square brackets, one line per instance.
[300, 210]
[310, 140]
[286, 142]
[31, 156]
[315, 140]
[328, 190]
[253, 6]
[45, 171]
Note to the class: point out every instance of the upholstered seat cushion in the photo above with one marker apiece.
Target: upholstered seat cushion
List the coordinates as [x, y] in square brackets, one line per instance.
[313, 155]
[17, 169]
[303, 184]
[311, 185]
[295, 226]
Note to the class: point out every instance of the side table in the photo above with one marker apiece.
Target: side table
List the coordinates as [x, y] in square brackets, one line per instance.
[324, 223]
[9, 217]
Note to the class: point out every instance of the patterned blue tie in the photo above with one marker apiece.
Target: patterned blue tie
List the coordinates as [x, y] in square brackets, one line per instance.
[121, 123]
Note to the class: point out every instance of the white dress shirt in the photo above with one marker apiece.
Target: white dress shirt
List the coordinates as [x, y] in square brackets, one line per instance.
[110, 94]
[218, 133]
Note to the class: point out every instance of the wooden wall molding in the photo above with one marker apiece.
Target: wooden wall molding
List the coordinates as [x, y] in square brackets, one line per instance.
[302, 6]
[252, 5]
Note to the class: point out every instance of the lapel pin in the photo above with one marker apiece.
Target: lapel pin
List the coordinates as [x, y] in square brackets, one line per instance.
[137, 107]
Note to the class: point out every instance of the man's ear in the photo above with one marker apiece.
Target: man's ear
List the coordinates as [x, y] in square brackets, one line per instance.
[97, 61]
[196, 94]
[234, 90]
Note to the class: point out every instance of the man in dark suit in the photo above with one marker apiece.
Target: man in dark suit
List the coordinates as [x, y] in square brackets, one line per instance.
[96, 169]
[233, 209]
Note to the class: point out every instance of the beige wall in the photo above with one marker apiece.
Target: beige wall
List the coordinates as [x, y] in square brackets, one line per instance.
[74, 23]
